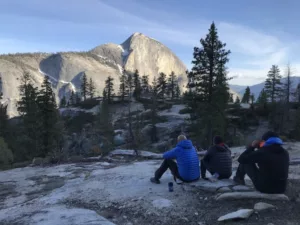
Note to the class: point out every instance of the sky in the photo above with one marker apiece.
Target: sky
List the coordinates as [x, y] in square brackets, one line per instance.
[259, 33]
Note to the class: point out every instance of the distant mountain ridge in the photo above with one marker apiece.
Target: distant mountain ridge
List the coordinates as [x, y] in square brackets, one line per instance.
[65, 69]
[257, 88]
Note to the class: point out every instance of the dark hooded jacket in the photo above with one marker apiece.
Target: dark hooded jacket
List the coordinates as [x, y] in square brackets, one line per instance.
[273, 165]
[218, 159]
[187, 160]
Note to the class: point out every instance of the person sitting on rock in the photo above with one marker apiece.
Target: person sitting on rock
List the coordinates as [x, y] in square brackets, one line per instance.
[217, 160]
[273, 165]
[187, 167]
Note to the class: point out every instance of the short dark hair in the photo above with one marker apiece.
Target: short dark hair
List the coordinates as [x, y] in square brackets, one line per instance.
[218, 140]
[268, 135]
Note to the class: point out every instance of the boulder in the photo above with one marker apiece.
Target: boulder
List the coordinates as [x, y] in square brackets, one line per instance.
[241, 188]
[251, 195]
[240, 214]
[205, 185]
[38, 161]
[260, 206]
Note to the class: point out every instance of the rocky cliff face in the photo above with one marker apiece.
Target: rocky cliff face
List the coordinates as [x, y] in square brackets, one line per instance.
[65, 69]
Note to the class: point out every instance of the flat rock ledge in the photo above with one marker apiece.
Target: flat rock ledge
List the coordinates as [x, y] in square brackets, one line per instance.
[251, 195]
[240, 214]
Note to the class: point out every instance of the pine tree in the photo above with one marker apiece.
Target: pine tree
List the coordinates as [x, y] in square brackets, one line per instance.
[172, 84]
[105, 126]
[273, 84]
[84, 86]
[137, 85]
[49, 118]
[161, 85]
[145, 83]
[77, 98]
[177, 91]
[209, 84]
[237, 100]
[63, 102]
[123, 88]
[129, 84]
[72, 99]
[262, 98]
[91, 88]
[29, 111]
[109, 89]
[246, 97]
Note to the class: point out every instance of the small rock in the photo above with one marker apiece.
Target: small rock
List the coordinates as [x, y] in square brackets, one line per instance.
[125, 217]
[263, 206]
[240, 214]
[224, 190]
[185, 219]
[270, 223]
[201, 223]
[241, 188]
[196, 213]
[205, 198]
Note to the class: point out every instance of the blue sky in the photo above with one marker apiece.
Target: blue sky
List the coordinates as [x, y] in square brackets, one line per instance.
[259, 33]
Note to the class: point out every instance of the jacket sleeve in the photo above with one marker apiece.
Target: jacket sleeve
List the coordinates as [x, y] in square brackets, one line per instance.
[170, 154]
[250, 156]
[208, 154]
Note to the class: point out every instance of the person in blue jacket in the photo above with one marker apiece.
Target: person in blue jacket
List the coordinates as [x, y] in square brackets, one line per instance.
[187, 167]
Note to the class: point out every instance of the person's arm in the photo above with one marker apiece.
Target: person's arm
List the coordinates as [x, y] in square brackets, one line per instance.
[250, 156]
[208, 154]
[170, 154]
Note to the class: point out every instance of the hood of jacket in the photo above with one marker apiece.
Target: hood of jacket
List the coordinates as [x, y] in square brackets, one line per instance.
[273, 141]
[185, 144]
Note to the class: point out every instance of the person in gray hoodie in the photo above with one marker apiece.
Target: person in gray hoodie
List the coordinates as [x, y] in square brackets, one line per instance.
[217, 160]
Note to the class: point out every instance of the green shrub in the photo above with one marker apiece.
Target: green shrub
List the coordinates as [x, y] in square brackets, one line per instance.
[6, 155]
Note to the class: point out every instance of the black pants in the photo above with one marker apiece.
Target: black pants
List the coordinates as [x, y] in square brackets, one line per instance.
[168, 164]
[204, 167]
[262, 184]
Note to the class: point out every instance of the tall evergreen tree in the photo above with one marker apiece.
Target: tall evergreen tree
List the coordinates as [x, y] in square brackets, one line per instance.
[246, 96]
[29, 111]
[262, 98]
[237, 100]
[137, 85]
[91, 88]
[210, 88]
[273, 84]
[72, 99]
[84, 86]
[177, 91]
[49, 118]
[145, 83]
[63, 102]
[161, 85]
[172, 84]
[109, 89]
[123, 88]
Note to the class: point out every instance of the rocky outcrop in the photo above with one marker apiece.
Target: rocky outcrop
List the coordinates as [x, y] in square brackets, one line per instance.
[65, 69]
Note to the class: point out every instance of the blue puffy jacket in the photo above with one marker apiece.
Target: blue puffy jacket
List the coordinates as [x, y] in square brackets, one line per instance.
[187, 160]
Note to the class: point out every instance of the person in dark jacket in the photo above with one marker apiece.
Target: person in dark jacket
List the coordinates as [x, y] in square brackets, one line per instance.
[217, 160]
[273, 165]
[187, 167]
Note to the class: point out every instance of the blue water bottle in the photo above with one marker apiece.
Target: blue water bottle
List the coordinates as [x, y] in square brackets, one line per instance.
[170, 185]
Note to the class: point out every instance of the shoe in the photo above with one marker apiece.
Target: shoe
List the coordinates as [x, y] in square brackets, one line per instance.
[239, 181]
[154, 180]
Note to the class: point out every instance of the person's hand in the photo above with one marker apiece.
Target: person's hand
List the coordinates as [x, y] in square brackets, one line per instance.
[255, 144]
